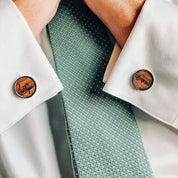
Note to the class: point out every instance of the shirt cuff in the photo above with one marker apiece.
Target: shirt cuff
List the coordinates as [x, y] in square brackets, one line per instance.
[152, 45]
[21, 56]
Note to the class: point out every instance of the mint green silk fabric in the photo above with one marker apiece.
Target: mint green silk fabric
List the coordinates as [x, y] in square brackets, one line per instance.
[105, 140]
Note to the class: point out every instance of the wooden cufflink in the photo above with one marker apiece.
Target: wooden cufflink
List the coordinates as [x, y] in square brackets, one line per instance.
[142, 79]
[25, 87]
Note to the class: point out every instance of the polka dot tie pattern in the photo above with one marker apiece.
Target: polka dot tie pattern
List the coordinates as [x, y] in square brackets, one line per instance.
[104, 137]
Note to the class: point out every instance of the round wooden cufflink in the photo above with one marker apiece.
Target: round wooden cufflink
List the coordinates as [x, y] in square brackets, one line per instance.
[25, 87]
[142, 79]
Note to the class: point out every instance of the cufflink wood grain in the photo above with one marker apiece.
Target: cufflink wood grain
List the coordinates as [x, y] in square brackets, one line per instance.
[25, 87]
[142, 79]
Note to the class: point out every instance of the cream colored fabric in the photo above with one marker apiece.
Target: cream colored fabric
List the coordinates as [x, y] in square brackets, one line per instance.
[21, 56]
[29, 143]
[161, 145]
[27, 149]
[152, 45]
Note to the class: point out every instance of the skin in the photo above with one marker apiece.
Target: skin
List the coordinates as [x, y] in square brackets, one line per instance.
[118, 15]
[37, 13]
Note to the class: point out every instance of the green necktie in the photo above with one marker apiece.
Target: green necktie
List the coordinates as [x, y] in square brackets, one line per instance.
[105, 140]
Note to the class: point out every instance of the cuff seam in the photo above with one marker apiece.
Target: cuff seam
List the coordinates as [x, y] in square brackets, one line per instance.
[20, 117]
[114, 92]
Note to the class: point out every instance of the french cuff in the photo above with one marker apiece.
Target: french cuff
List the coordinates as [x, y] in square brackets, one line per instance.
[20, 55]
[152, 45]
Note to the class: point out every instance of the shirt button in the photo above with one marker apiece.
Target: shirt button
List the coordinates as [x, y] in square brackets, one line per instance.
[142, 79]
[25, 87]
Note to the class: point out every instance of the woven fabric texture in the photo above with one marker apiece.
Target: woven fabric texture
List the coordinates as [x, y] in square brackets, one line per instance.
[104, 137]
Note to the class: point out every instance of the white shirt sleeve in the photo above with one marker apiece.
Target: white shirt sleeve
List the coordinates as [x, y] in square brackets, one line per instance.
[152, 45]
[20, 55]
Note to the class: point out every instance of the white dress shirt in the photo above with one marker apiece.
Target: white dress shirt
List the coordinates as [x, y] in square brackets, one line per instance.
[27, 149]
